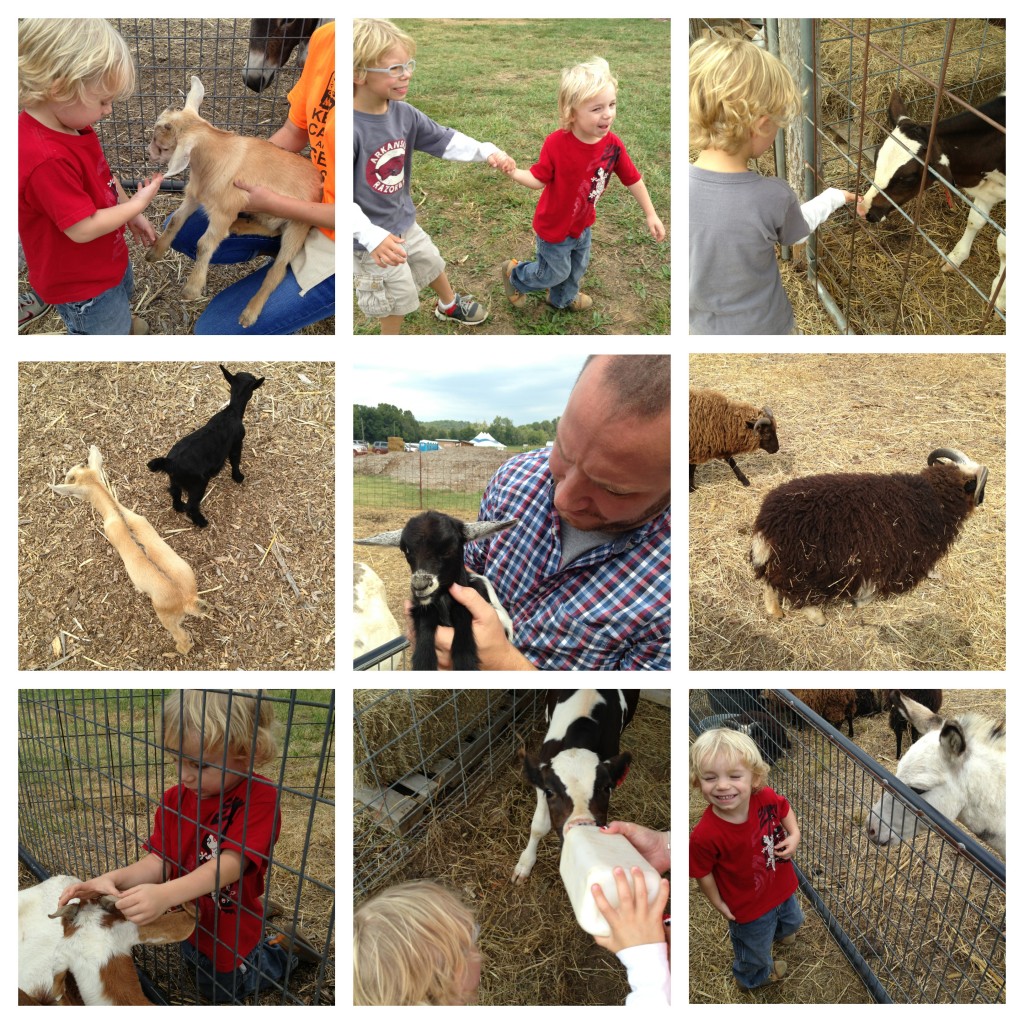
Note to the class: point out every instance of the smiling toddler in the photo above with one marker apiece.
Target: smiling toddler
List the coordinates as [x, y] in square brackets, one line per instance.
[740, 852]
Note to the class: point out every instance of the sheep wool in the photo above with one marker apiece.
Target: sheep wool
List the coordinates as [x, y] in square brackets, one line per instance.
[721, 428]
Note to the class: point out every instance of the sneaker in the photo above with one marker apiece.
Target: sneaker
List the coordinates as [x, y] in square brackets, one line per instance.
[30, 307]
[514, 295]
[466, 311]
[580, 303]
[777, 974]
[139, 326]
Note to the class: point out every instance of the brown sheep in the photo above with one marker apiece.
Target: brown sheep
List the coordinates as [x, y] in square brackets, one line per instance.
[860, 535]
[721, 428]
[835, 706]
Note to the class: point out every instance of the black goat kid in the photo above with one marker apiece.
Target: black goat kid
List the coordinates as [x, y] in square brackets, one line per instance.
[197, 458]
[434, 546]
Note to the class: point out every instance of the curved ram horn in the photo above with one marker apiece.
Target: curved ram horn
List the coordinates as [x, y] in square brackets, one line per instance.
[765, 418]
[948, 453]
[69, 910]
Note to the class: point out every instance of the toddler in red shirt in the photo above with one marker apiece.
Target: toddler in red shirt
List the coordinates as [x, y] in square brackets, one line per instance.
[211, 843]
[575, 167]
[740, 852]
[71, 209]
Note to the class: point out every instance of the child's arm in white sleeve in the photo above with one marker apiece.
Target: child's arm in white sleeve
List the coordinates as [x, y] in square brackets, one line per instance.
[820, 208]
[464, 149]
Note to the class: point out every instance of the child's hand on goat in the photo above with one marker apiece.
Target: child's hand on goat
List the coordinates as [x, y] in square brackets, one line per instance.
[90, 890]
[143, 903]
[390, 252]
[261, 199]
[148, 189]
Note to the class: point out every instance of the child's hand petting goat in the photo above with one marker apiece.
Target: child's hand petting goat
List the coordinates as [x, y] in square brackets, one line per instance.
[155, 569]
[218, 159]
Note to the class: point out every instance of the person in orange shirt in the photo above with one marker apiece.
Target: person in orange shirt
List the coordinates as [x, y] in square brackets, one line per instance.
[306, 295]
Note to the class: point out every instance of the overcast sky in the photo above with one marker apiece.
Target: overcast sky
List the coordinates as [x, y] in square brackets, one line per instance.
[523, 389]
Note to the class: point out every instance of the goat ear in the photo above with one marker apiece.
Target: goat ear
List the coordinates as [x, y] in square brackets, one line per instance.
[474, 531]
[391, 539]
[195, 95]
[95, 458]
[228, 376]
[67, 490]
[180, 156]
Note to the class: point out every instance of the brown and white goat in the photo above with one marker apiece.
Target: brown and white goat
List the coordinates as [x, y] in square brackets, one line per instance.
[155, 569]
[218, 158]
[91, 940]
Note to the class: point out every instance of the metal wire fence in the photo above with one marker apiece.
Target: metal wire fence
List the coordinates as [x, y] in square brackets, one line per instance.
[921, 921]
[92, 772]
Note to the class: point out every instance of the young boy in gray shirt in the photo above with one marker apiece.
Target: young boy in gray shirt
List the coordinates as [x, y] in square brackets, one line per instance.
[393, 257]
[739, 97]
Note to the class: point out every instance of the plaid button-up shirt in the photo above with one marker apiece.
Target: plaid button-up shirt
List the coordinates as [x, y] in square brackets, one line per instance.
[608, 609]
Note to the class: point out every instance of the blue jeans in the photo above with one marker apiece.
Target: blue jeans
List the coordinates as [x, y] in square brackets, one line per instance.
[559, 267]
[108, 313]
[264, 963]
[285, 311]
[752, 942]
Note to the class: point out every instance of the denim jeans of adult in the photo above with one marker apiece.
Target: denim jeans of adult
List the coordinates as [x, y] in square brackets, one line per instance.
[752, 942]
[263, 966]
[558, 267]
[109, 312]
[285, 310]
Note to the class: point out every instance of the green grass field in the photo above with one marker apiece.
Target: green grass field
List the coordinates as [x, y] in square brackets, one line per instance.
[497, 81]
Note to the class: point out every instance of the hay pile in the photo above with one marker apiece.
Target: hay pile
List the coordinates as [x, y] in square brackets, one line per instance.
[849, 413]
[265, 562]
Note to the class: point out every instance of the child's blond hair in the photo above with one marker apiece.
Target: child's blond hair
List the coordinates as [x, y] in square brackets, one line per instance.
[232, 723]
[732, 84]
[60, 58]
[411, 946]
[738, 748]
[578, 84]
[371, 39]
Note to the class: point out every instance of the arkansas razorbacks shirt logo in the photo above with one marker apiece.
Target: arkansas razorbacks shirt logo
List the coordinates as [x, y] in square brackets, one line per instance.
[385, 169]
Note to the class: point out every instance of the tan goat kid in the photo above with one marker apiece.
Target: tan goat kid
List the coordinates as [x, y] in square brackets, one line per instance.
[153, 567]
[218, 158]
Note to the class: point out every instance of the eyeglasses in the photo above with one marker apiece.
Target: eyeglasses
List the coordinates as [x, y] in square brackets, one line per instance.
[396, 70]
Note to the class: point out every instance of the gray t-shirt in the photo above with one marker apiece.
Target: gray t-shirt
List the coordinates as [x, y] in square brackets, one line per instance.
[736, 220]
[382, 162]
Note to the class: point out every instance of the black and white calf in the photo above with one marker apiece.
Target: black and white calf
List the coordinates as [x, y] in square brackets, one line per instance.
[579, 764]
[967, 151]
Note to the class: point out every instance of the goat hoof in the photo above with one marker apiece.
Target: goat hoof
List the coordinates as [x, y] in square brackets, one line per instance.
[192, 292]
[238, 477]
[247, 319]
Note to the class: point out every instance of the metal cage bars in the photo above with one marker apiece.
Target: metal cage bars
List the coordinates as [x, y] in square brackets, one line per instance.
[857, 167]
[82, 757]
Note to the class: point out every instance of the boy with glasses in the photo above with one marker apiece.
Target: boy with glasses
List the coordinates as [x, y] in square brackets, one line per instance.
[393, 257]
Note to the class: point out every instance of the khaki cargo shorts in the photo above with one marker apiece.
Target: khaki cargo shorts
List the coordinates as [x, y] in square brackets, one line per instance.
[395, 291]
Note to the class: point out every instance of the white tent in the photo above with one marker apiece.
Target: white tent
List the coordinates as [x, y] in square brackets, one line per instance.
[484, 440]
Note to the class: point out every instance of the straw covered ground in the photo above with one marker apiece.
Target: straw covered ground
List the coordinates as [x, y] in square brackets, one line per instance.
[534, 952]
[853, 413]
[265, 562]
[886, 897]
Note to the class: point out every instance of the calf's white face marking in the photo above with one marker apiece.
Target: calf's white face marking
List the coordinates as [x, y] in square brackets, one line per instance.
[577, 771]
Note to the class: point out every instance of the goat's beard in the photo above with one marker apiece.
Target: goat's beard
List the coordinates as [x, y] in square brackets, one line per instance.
[617, 525]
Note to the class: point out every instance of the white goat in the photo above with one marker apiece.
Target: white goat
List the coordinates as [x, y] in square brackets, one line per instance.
[218, 158]
[92, 940]
[374, 623]
[152, 566]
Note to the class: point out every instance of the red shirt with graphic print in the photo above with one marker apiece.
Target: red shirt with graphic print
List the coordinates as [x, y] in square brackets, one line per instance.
[742, 859]
[188, 832]
[575, 175]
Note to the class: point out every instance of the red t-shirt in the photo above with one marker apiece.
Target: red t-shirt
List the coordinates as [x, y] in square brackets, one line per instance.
[250, 808]
[742, 857]
[575, 174]
[62, 179]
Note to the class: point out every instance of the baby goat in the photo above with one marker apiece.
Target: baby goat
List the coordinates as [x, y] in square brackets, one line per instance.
[92, 940]
[434, 546]
[218, 158]
[152, 566]
[198, 457]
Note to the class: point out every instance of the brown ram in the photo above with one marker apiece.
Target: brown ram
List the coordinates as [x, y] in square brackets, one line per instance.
[859, 535]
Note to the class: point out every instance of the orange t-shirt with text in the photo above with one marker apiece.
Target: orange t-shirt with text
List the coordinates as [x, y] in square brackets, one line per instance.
[312, 107]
